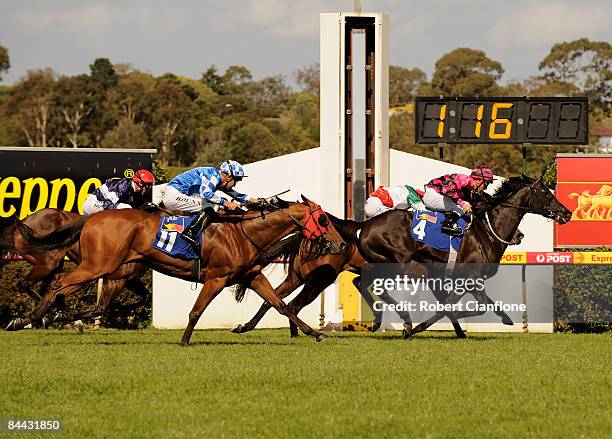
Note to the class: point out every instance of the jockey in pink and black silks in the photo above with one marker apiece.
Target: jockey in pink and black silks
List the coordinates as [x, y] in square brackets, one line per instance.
[452, 193]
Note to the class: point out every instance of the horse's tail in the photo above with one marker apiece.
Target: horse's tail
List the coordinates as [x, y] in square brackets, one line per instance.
[286, 250]
[7, 235]
[61, 237]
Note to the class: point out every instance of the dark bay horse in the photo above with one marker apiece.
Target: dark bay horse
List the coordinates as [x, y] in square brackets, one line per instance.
[112, 242]
[46, 264]
[386, 239]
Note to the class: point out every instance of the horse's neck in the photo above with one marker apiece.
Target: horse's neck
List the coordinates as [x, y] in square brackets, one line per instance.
[272, 228]
[505, 222]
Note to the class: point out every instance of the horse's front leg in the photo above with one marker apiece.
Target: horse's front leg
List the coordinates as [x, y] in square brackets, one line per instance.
[288, 285]
[209, 291]
[261, 286]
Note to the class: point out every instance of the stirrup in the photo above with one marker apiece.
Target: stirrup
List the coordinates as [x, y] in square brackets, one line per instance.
[452, 231]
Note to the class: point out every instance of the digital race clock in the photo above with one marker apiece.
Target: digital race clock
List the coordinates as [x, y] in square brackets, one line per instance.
[501, 120]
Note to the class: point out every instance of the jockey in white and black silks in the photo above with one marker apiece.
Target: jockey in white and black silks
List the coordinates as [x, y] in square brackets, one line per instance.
[119, 193]
[392, 197]
[452, 193]
[195, 191]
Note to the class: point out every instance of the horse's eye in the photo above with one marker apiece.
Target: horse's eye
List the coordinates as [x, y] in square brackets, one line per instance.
[323, 221]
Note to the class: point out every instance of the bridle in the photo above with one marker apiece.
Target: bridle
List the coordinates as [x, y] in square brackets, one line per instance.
[316, 236]
[532, 208]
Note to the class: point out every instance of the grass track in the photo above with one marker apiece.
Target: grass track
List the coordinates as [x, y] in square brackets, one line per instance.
[264, 384]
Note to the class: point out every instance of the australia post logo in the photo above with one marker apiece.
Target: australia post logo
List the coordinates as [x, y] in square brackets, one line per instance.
[550, 258]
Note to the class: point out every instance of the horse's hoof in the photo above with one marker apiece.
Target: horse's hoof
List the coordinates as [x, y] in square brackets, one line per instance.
[45, 322]
[507, 321]
[406, 333]
[78, 326]
[321, 337]
[461, 336]
[375, 327]
[185, 344]
[17, 324]
[14, 325]
[237, 329]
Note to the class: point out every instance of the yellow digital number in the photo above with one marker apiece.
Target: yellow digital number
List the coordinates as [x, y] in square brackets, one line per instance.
[441, 123]
[495, 121]
[478, 121]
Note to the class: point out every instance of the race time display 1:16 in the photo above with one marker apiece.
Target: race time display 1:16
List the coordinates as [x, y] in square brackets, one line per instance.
[550, 120]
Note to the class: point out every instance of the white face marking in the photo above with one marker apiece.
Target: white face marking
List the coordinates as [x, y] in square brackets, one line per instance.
[358, 233]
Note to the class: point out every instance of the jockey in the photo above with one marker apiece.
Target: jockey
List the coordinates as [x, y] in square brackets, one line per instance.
[194, 191]
[392, 197]
[119, 193]
[451, 193]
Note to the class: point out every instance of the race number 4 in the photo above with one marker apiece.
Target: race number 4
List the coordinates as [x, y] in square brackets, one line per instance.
[419, 229]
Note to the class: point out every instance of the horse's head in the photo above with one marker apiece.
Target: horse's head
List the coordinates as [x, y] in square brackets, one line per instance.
[317, 226]
[533, 196]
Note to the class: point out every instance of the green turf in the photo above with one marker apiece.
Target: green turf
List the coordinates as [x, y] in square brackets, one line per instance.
[264, 384]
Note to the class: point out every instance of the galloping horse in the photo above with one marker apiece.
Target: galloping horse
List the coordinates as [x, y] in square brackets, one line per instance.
[46, 264]
[386, 239]
[318, 274]
[232, 251]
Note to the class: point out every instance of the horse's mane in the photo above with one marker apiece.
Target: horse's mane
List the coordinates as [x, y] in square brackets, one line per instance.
[511, 186]
[346, 228]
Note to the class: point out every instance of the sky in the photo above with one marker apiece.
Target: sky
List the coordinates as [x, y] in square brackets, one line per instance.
[273, 37]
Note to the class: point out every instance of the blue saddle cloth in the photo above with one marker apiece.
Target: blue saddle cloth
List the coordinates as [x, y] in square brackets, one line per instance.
[427, 228]
[169, 240]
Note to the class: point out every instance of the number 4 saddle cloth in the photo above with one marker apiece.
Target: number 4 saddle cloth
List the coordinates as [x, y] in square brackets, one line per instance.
[427, 228]
[169, 240]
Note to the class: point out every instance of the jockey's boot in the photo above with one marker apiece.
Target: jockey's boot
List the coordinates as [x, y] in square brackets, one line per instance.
[449, 225]
[204, 218]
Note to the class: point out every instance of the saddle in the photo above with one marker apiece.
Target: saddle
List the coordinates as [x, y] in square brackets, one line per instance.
[168, 238]
[426, 228]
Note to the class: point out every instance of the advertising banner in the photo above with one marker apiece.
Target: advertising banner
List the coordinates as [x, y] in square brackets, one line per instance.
[584, 185]
[35, 178]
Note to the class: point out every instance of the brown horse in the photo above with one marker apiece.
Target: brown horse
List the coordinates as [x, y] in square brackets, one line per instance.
[46, 264]
[233, 251]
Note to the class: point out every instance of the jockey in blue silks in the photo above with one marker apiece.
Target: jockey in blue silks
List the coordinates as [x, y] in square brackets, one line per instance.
[195, 191]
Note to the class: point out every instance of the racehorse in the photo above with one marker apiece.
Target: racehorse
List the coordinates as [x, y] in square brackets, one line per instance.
[46, 264]
[386, 239]
[318, 274]
[232, 251]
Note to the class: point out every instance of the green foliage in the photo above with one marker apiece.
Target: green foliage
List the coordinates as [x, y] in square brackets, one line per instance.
[404, 84]
[126, 134]
[103, 73]
[308, 78]
[586, 64]
[162, 175]
[127, 312]
[466, 72]
[5, 63]
[583, 297]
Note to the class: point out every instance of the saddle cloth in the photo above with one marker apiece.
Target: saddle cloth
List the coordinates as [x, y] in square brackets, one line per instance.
[427, 228]
[168, 238]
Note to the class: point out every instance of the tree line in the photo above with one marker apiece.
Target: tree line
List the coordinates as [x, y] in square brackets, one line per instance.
[230, 114]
